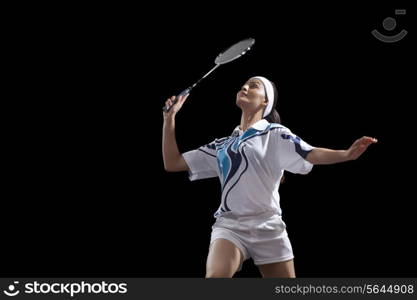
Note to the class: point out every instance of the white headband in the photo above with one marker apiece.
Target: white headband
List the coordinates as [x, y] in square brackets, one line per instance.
[269, 90]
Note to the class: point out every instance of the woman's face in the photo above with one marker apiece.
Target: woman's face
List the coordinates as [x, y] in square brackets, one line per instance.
[251, 95]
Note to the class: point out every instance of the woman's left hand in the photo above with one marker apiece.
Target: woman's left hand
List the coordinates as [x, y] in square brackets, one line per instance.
[359, 147]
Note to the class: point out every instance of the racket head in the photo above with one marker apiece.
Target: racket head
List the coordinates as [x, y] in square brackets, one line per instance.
[235, 51]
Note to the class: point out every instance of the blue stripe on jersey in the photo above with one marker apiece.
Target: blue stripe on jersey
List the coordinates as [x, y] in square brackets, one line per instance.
[224, 161]
[246, 167]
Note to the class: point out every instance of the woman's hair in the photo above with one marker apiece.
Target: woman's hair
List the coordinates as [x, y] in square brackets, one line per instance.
[274, 116]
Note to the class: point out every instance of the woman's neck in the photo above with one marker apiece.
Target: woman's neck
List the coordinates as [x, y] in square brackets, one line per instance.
[248, 119]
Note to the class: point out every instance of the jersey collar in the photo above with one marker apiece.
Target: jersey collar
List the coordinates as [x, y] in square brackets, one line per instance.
[260, 125]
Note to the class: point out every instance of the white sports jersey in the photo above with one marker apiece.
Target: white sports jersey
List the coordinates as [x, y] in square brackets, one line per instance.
[250, 165]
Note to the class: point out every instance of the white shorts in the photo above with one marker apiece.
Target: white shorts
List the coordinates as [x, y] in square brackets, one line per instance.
[263, 238]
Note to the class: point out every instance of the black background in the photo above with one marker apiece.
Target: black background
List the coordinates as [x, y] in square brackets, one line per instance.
[85, 192]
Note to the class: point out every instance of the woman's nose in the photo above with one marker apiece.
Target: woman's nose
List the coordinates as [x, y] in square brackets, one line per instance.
[244, 88]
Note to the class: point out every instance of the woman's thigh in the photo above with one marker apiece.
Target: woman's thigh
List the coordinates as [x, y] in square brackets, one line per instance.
[283, 269]
[223, 260]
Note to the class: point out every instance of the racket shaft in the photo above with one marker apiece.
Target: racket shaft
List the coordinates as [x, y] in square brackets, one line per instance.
[166, 108]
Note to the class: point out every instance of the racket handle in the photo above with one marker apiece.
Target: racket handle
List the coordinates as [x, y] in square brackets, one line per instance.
[167, 107]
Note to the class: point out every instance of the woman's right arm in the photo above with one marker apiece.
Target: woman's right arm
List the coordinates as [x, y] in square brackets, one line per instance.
[173, 160]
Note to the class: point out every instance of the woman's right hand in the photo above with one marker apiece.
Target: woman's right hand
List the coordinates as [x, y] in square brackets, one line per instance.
[176, 107]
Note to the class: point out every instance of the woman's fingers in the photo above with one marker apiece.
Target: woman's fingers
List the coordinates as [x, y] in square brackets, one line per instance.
[366, 141]
[370, 141]
[183, 98]
[175, 103]
[170, 101]
[180, 100]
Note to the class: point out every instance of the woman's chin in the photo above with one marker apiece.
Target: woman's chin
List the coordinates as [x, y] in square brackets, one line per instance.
[241, 101]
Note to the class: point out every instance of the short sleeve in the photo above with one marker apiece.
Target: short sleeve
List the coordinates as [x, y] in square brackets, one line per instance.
[292, 152]
[202, 162]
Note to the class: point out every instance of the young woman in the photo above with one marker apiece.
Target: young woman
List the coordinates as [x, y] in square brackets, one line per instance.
[250, 164]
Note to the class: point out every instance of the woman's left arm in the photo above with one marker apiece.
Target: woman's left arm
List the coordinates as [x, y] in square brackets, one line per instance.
[323, 156]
